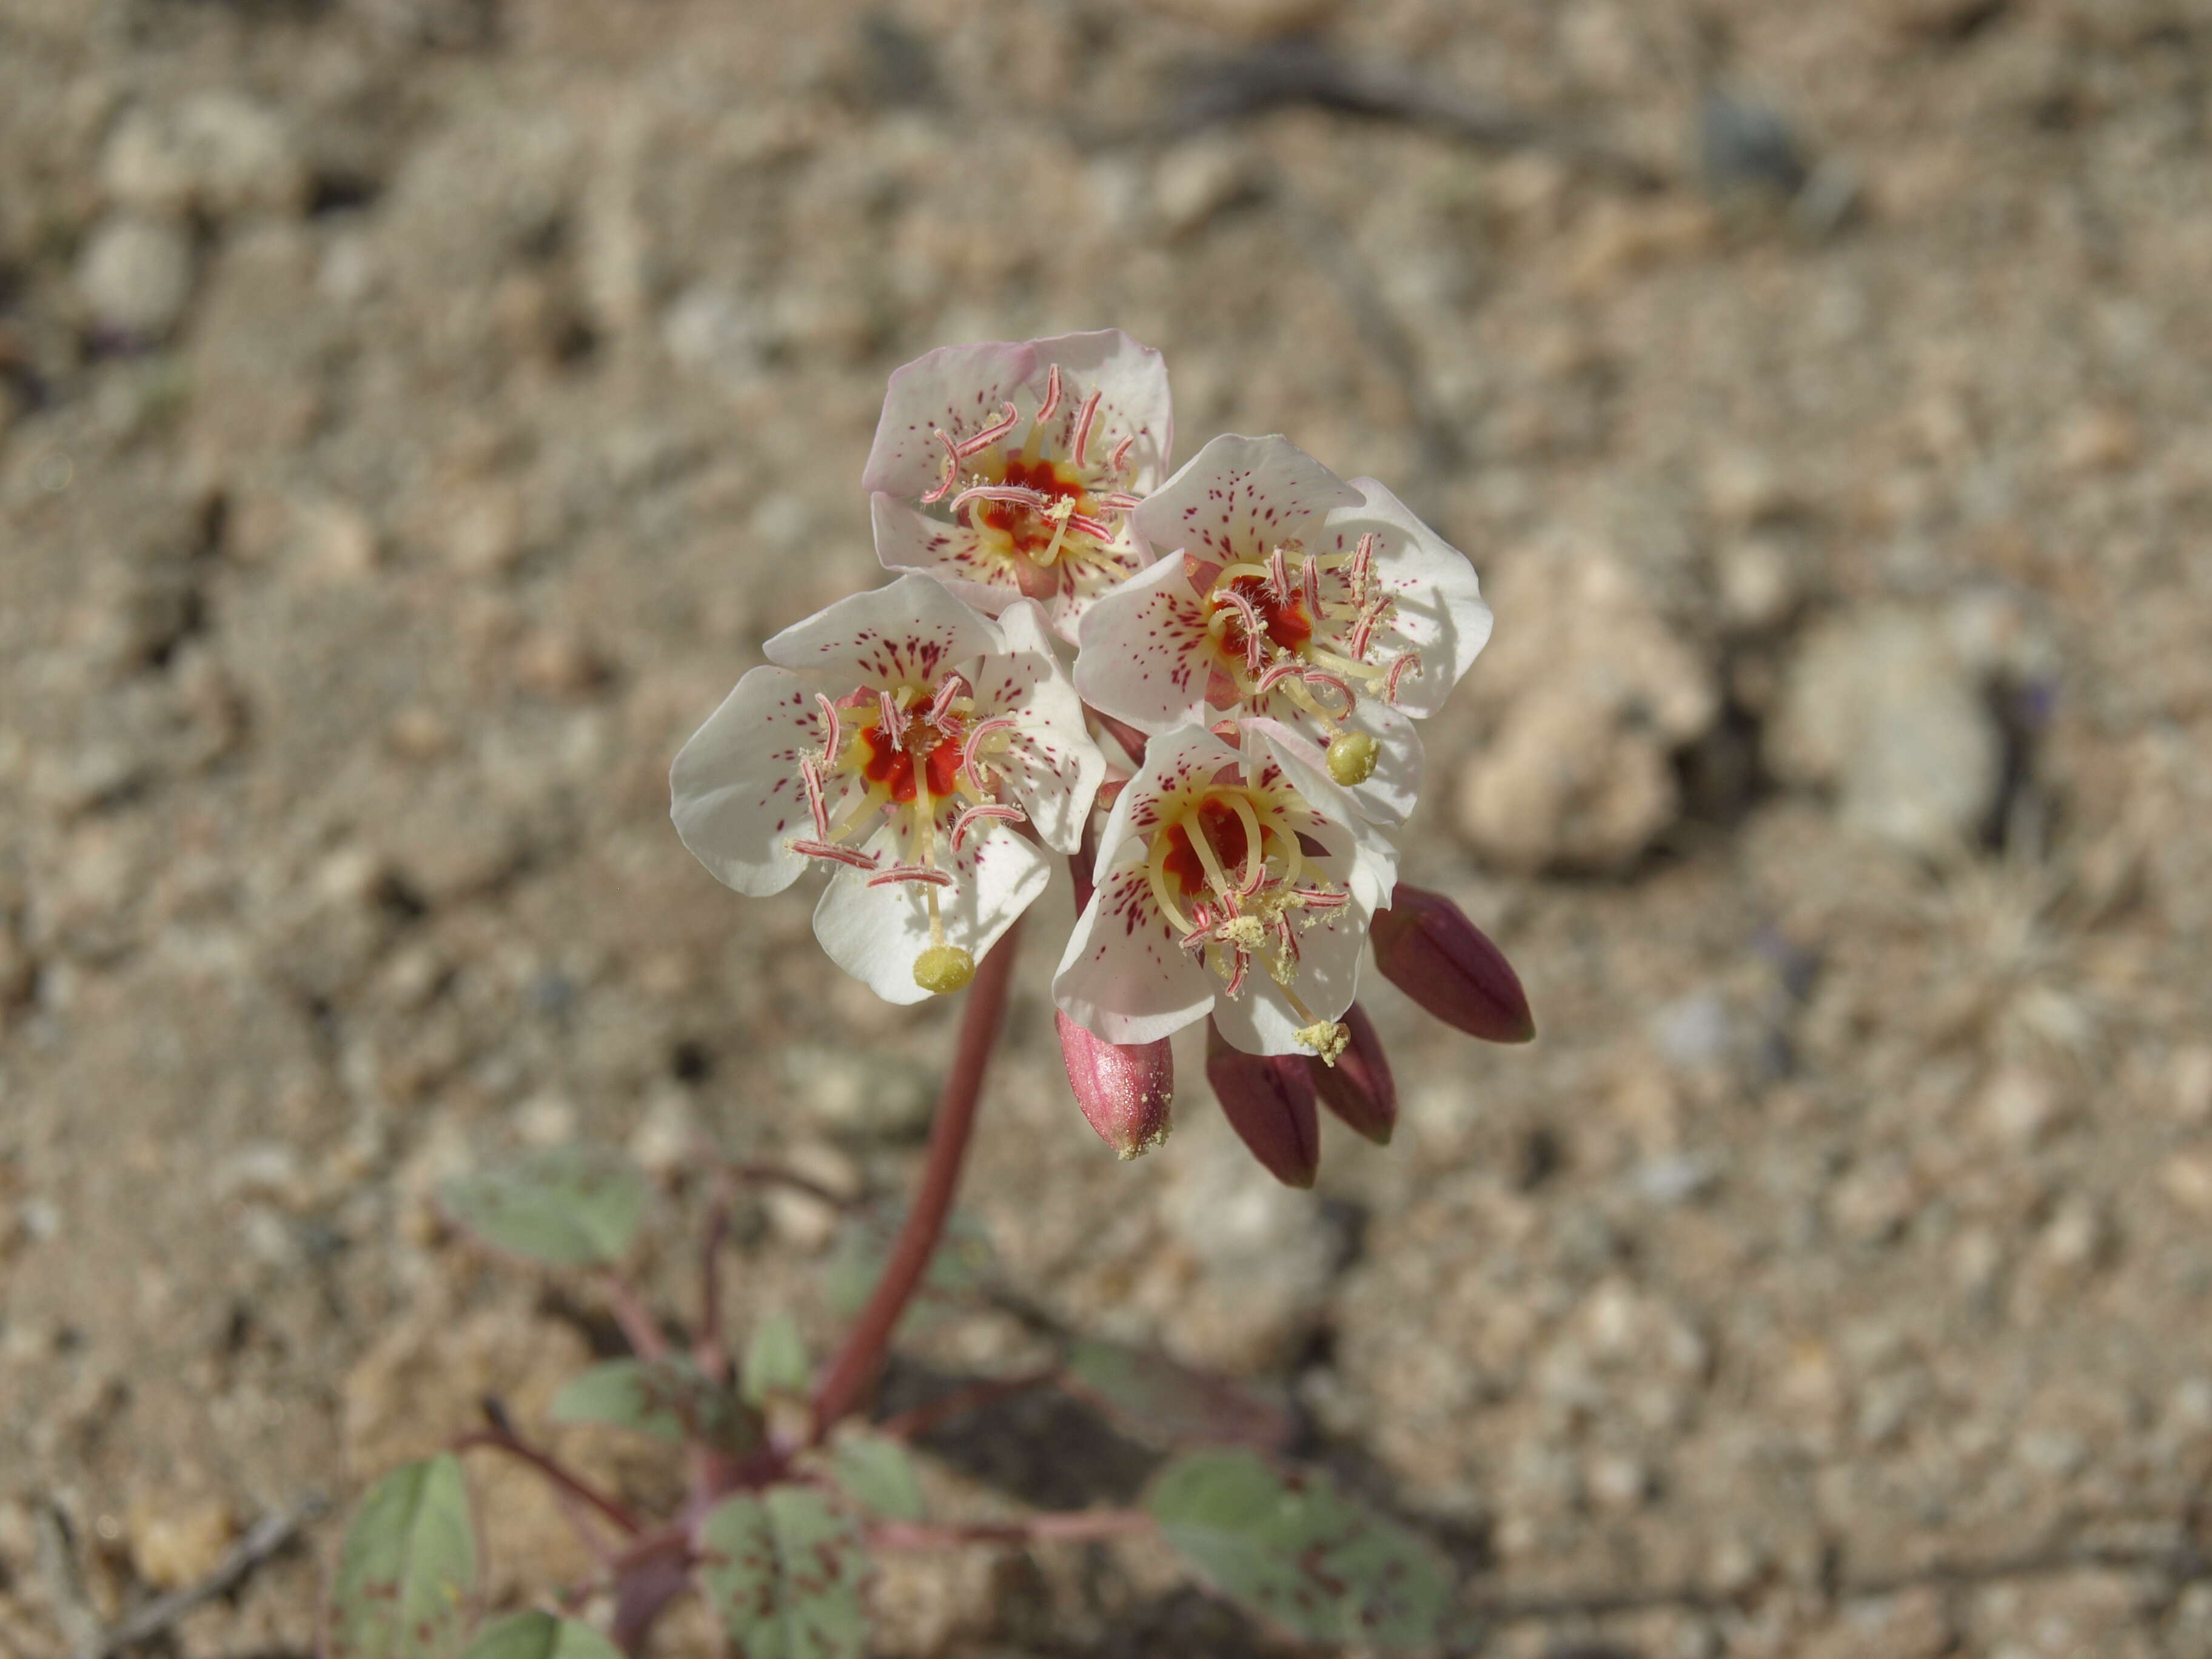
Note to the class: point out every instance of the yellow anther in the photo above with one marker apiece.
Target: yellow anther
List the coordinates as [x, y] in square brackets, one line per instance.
[944, 969]
[1327, 1039]
[1352, 758]
[1244, 933]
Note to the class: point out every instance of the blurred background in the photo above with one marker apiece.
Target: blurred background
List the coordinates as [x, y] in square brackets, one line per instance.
[414, 413]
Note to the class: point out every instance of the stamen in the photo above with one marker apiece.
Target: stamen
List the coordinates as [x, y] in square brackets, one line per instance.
[823, 849]
[1083, 423]
[954, 686]
[1120, 501]
[1009, 416]
[971, 756]
[1155, 873]
[1256, 862]
[1362, 566]
[1364, 629]
[1320, 899]
[989, 812]
[921, 873]
[810, 780]
[1120, 454]
[1411, 659]
[1289, 669]
[894, 719]
[1250, 613]
[1019, 495]
[833, 740]
[1051, 403]
[1063, 513]
[1279, 576]
[1310, 578]
[951, 466]
[1084, 525]
[1237, 978]
[1322, 677]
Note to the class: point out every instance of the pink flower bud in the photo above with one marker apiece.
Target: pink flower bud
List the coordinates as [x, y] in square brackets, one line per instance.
[1436, 956]
[1269, 1100]
[1357, 1088]
[1127, 1091]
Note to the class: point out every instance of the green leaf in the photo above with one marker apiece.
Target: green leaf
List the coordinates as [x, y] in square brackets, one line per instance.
[564, 1206]
[875, 1472]
[1294, 1548]
[783, 1573]
[1169, 1405]
[537, 1635]
[666, 1399]
[963, 1264]
[775, 1361]
[408, 1567]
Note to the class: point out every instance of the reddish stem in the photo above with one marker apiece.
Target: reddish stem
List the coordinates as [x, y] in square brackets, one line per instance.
[774, 1175]
[906, 1425]
[639, 1327]
[857, 1363]
[551, 1469]
[1081, 1527]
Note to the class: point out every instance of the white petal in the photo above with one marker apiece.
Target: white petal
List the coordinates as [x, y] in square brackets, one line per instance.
[1145, 656]
[1122, 977]
[1440, 610]
[1132, 383]
[1053, 770]
[1260, 1021]
[735, 791]
[908, 633]
[874, 934]
[1238, 497]
[1173, 760]
[955, 389]
[909, 539]
[1360, 856]
[1388, 796]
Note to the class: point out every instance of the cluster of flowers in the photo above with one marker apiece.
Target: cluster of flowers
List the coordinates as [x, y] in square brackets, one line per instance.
[1200, 687]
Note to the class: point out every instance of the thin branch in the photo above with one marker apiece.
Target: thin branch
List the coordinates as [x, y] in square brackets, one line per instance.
[857, 1362]
[708, 1351]
[774, 1175]
[920, 1419]
[1081, 1527]
[639, 1327]
[502, 1439]
[268, 1537]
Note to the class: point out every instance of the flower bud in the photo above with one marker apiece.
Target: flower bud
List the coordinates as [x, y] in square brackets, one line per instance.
[1269, 1101]
[1357, 1088]
[1127, 1091]
[1436, 956]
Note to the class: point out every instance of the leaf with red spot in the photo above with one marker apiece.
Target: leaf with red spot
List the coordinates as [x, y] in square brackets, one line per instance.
[783, 1572]
[1299, 1551]
[1170, 1404]
[536, 1635]
[668, 1398]
[407, 1571]
[564, 1206]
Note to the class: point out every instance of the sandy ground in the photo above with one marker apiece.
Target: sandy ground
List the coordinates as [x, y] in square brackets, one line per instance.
[414, 413]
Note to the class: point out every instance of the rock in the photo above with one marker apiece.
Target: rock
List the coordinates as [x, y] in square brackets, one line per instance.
[171, 1548]
[1253, 19]
[1597, 693]
[136, 275]
[1912, 1625]
[798, 1217]
[219, 153]
[1195, 181]
[1566, 786]
[868, 1094]
[1878, 705]
[1264, 1254]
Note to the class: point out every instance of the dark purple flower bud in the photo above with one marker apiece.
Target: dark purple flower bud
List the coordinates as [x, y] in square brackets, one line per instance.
[1127, 1091]
[1269, 1099]
[1436, 956]
[1357, 1088]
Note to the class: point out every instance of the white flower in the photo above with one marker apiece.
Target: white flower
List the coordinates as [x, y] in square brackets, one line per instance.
[898, 738]
[1234, 883]
[1285, 593]
[1009, 470]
